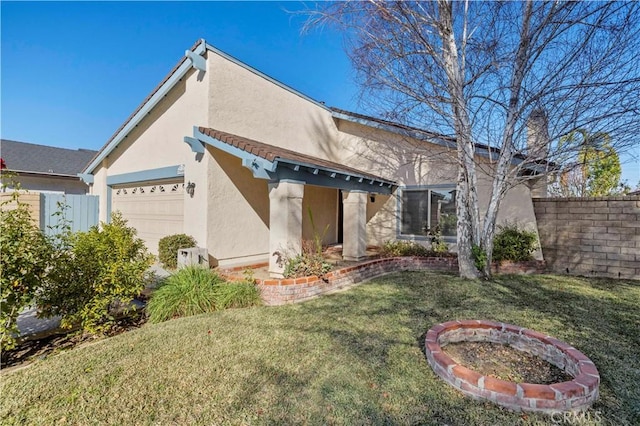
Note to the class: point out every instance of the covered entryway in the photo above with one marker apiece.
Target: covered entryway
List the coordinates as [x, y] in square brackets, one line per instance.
[295, 180]
[154, 209]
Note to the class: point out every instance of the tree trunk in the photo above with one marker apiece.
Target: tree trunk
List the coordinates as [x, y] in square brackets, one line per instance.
[466, 194]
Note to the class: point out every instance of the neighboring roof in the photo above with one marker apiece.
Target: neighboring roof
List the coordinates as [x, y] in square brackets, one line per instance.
[273, 153]
[634, 192]
[42, 159]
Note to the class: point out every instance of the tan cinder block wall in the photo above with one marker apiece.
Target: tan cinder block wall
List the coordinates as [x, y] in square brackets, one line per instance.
[32, 199]
[591, 236]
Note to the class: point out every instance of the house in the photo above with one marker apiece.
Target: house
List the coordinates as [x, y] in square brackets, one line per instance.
[42, 168]
[239, 160]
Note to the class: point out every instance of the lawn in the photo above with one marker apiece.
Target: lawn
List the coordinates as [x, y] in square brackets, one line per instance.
[353, 357]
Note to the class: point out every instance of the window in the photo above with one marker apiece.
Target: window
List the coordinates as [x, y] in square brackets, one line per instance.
[425, 208]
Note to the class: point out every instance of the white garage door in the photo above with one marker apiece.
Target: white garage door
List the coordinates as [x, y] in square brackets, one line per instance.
[155, 209]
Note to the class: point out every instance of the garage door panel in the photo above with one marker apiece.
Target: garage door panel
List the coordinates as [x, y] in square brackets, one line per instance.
[155, 210]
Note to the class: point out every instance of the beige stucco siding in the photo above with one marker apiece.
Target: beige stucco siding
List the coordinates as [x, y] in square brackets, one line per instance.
[246, 104]
[158, 140]
[238, 208]
[323, 205]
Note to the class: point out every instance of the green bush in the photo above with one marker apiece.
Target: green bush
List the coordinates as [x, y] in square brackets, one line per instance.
[196, 290]
[513, 243]
[25, 254]
[404, 248]
[168, 248]
[101, 269]
[399, 248]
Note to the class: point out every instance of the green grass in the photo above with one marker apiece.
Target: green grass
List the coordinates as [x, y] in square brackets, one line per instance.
[349, 358]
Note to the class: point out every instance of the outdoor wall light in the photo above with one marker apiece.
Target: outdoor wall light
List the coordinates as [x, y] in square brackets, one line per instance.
[372, 197]
[191, 188]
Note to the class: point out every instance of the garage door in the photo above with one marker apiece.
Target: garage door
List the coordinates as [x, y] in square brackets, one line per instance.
[155, 209]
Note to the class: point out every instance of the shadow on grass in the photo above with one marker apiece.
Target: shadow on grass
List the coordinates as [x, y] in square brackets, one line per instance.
[598, 316]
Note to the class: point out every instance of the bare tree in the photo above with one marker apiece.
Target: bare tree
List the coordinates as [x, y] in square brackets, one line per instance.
[479, 70]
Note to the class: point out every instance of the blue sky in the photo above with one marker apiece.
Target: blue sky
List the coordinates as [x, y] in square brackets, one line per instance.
[72, 72]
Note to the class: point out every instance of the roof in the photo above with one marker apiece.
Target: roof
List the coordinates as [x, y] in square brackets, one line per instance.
[274, 153]
[33, 158]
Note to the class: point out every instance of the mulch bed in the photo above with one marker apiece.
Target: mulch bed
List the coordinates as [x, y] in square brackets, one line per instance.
[33, 350]
[505, 363]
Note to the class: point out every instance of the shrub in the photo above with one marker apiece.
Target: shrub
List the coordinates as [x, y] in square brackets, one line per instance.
[102, 269]
[513, 243]
[311, 261]
[168, 248]
[196, 290]
[404, 248]
[437, 242]
[25, 253]
[305, 265]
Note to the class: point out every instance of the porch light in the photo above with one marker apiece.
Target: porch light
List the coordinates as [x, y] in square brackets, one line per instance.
[191, 188]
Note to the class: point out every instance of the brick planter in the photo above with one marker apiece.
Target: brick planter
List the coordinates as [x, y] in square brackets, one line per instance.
[291, 290]
[574, 395]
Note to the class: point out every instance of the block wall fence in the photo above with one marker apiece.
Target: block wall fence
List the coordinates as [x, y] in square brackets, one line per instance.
[594, 236]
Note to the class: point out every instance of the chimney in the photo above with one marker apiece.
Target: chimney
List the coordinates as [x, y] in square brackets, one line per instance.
[538, 148]
[538, 135]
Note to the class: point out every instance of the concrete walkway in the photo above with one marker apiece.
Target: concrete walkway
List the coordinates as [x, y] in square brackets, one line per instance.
[31, 327]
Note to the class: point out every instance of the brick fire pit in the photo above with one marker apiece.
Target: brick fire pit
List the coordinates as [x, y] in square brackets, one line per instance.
[574, 395]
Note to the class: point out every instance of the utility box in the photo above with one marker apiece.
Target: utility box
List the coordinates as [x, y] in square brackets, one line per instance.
[193, 256]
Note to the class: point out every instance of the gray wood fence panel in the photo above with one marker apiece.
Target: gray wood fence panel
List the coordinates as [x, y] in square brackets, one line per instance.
[81, 212]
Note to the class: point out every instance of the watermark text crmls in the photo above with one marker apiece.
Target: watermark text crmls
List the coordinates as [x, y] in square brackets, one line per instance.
[577, 418]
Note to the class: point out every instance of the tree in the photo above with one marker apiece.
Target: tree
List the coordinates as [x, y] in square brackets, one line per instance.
[479, 70]
[594, 172]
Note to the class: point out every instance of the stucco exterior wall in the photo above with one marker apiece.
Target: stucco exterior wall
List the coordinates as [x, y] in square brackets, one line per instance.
[323, 204]
[238, 208]
[246, 104]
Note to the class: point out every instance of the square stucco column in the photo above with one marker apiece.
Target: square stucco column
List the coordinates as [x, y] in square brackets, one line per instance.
[354, 246]
[285, 222]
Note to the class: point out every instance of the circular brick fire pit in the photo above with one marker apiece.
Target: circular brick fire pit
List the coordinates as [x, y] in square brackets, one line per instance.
[574, 395]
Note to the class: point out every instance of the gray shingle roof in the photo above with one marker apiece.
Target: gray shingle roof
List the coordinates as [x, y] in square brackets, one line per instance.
[33, 158]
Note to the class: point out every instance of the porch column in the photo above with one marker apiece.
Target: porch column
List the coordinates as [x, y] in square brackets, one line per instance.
[285, 222]
[354, 246]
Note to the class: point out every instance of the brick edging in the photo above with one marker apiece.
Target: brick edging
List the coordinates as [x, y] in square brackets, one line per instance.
[291, 290]
[574, 395]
